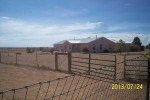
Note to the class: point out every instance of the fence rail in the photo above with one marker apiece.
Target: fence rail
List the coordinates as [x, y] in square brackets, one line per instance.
[97, 82]
[91, 64]
[136, 68]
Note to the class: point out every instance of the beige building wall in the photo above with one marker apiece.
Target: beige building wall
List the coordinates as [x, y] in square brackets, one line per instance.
[65, 47]
[96, 46]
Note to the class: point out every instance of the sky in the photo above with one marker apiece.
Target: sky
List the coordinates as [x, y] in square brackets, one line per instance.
[41, 23]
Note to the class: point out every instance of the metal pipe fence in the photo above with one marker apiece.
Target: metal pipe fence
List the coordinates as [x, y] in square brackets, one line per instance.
[102, 64]
[91, 84]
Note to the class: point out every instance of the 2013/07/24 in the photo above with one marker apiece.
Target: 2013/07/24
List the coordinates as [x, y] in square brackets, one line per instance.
[127, 86]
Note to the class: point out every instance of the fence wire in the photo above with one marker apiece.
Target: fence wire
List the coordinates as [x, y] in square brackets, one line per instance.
[83, 86]
[36, 59]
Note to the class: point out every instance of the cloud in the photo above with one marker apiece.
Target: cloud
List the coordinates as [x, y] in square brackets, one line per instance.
[128, 37]
[115, 28]
[20, 33]
[5, 17]
[61, 11]
[128, 4]
[15, 26]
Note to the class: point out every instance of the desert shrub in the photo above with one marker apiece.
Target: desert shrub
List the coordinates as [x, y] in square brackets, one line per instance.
[135, 48]
[30, 50]
[41, 48]
[85, 50]
[52, 50]
[105, 51]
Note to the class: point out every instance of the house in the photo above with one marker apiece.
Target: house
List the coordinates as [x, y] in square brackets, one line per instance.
[94, 45]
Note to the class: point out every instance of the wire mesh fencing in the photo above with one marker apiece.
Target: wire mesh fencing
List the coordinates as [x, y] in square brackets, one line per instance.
[88, 84]
[46, 60]
[62, 61]
[8, 58]
[76, 87]
[37, 59]
[70, 87]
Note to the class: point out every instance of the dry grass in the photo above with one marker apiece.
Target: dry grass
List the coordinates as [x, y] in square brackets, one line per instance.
[17, 76]
[12, 76]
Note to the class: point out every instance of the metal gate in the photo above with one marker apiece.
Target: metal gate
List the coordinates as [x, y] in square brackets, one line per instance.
[135, 67]
[102, 66]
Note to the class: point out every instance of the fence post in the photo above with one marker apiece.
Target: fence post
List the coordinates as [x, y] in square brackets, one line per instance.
[148, 81]
[115, 69]
[124, 66]
[37, 59]
[69, 62]
[16, 58]
[89, 64]
[56, 61]
[0, 57]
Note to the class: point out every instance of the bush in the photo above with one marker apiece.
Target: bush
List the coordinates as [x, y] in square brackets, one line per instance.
[52, 50]
[105, 51]
[30, 50]
[147, 56]
[135, 48]
[85, 50]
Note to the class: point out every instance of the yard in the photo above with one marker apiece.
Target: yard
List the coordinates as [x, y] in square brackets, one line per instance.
[32, 68]
[17, 76]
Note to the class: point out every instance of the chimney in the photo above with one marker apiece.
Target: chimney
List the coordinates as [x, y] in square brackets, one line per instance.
[96, 36]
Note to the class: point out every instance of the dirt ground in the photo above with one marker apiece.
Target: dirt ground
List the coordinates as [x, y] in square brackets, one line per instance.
[24, 73]
[71, 87]
[17, 76]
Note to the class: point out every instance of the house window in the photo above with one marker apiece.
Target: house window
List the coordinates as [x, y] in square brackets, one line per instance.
[101, 47]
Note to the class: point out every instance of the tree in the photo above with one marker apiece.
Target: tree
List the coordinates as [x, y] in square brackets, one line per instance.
[137, 41]
[121, 45]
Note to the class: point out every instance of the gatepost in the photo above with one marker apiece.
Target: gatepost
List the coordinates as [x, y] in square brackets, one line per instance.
[148, 81]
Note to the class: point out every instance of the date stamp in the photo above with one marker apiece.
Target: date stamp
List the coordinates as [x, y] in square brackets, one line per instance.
[127, 86]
